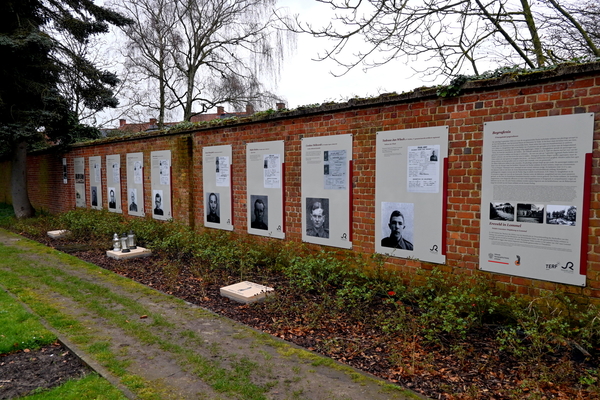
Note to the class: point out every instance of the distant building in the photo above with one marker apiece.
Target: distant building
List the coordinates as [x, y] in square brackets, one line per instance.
[221, 114]
[152, 125]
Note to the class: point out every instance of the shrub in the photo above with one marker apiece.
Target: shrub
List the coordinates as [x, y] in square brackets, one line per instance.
[452, 305]
[92, 224]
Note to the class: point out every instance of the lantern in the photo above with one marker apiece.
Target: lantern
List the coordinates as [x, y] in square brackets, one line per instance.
[131, 240]
[116, 242]
[124, 245]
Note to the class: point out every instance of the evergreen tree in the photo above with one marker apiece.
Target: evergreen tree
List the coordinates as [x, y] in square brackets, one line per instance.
[32, 109]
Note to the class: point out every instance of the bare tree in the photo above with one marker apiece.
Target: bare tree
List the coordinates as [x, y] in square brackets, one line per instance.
[201, 53]
[148, 53]
[458, 36]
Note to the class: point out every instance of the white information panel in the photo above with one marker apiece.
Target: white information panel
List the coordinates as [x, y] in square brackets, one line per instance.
[95, 168]
[160, 171]
[326, 190]
[410, 193]
[79, 167]
[216, 174]
[265, 180]
[135, 184]
[534, 201]
[113, 182]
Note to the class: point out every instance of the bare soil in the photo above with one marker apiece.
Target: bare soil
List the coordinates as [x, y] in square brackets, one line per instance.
[25, 371]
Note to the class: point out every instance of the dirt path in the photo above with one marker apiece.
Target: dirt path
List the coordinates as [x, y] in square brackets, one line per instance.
[169, 348]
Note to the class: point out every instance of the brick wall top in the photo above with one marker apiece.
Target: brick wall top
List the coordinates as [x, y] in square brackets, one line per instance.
[469, 88]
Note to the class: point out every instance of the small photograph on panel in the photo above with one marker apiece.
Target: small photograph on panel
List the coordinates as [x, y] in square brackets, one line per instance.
[561, 215]
[527, 212]
[433, 156]
[64, 172]
[112, 201]
[260, 212]
[502, 212]
[79, 178]
[397, 225]
[217, 164]
[133, 200]
[95, 196]
[213, 205]
[317, 224]
[157, 195]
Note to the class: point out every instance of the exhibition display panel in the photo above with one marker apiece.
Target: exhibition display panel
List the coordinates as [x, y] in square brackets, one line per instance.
[410, 193]
[135, 184]
[160, 174]
[216, 173]
[535, 197]
[327, 190]
[265, 180]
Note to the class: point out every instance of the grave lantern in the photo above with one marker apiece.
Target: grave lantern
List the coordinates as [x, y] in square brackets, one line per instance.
[131, 239]
[116, 243]
[124, 245]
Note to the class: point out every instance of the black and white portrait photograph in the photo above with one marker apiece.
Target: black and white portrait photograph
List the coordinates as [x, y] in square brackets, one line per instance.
[561, 215]
[397, 225]
[133, 206]
[527, 212]
[112, 201]
[157, 197]
[259, 218]
[502, 212]
[213, 206]
[95, 196]
[317, 222]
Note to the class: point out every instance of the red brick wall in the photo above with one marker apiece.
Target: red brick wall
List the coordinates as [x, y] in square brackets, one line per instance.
[564, 91]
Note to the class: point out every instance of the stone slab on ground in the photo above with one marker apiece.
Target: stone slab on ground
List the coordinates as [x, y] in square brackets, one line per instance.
[61, 233]
[135, 253]
[246, 292]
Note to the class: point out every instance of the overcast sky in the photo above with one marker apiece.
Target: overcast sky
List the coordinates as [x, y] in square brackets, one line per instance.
[304, 81]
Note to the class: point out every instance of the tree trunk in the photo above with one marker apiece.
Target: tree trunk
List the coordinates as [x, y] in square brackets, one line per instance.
[20, 197]
[538, 49]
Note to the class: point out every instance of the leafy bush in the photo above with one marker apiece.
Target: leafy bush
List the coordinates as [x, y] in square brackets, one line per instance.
[441, 306]
[453, 304]
[92, 224]
[548, 323]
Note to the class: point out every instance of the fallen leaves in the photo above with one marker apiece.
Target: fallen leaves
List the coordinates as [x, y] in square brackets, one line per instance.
[475, 369]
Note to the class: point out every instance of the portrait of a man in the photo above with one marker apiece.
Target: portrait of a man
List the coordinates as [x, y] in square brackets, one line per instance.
[317, 224]
[94, 196]
[213, 209]
[112, 202]
[397, 227]
[259, 214]
[158, 210]
[133, 198]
